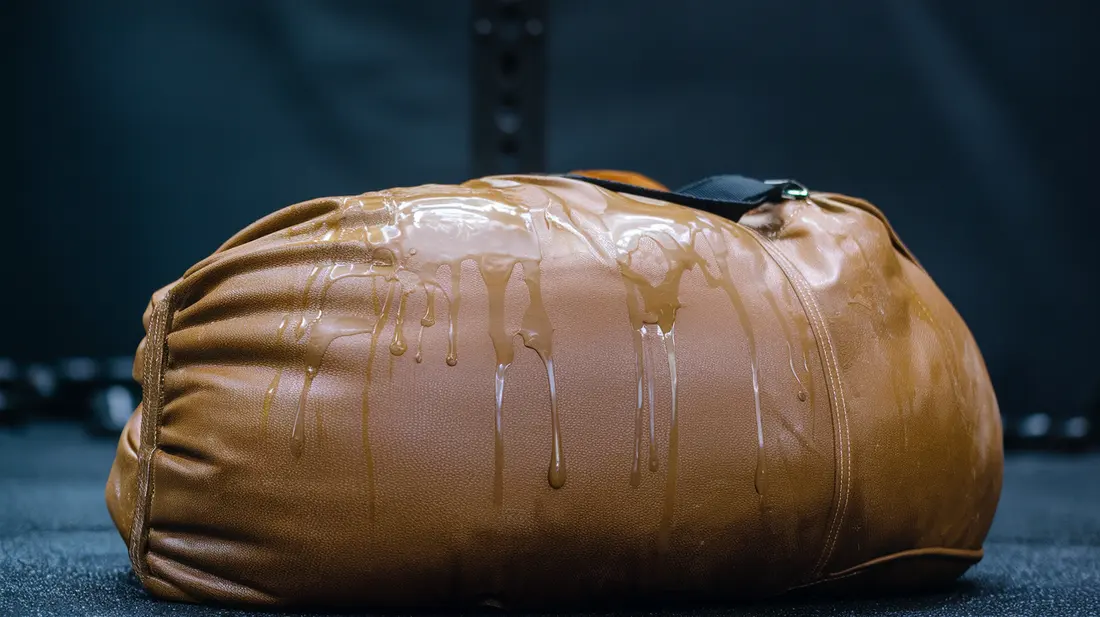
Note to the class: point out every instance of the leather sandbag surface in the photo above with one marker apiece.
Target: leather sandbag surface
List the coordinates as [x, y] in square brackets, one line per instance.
[532, 391]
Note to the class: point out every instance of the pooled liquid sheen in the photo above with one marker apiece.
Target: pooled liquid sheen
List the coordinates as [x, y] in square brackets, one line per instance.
[496, 228]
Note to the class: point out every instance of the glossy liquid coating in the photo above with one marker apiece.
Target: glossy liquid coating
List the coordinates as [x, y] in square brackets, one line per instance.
[498, 437]
[496, 232]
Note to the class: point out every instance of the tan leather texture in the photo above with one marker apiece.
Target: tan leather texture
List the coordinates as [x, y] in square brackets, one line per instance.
[531, 391]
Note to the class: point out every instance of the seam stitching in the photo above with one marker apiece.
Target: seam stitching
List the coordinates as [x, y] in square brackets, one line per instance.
[839, 408]
[847, 445]
[845, 438]
[938, 553]
[847, 441]
[152, 385]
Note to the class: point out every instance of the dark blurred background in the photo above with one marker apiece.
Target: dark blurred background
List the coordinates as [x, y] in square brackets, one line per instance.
[143, 134]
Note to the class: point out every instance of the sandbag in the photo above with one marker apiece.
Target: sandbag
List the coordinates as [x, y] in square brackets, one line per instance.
[529, 391]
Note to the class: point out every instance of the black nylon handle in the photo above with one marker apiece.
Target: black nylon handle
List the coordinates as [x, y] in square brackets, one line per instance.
[727, 195]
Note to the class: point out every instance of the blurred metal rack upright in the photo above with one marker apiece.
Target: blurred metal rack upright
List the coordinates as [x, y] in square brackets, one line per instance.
[508, 79]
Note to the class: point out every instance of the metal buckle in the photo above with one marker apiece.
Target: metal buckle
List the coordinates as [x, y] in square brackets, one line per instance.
[792, 189]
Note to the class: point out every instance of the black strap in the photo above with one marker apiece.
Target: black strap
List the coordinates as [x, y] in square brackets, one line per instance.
[728, 195]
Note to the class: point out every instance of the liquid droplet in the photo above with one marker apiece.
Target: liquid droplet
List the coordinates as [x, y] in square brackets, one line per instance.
[428, 320]
[760, 482]
[368, 454]
[299, 329]
[794, 371]
[419, 340]
[397, 345]
[496, 272]
[498, 440]
[269, 397]
[556, 474]
[537, 334]
[805, 338]
[456, 300]
[297, 436]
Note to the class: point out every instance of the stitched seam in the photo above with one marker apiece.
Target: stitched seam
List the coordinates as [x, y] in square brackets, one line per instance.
[839, 408]
[847, 449]
[847, 442]
[152, 382]
[947, 553]
[845, 438]
[148, 407]
[846, 482]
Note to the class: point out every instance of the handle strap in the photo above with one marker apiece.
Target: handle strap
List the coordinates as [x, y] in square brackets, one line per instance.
[727, 195]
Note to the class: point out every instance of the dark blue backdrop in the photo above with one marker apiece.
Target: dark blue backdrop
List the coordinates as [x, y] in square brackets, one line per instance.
[142, 134]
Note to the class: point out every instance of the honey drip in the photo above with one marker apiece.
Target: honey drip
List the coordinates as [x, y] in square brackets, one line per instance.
[801, 394]
[556, 474]
[654, 463]
[806, 341]
[428, 320]
[320, 338]
[537, 334]
[397, 345]
[498, 438]
[721, 254]
[269, 397]
[635, 470]
[486, 223]
[665, 531]
[614, 234]
[644, 375]
[273, 388]
[496, 271]
[456, 299]
[368, 456]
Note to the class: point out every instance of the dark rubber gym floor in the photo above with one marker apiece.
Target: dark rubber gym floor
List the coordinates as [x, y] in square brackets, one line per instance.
[60, 554]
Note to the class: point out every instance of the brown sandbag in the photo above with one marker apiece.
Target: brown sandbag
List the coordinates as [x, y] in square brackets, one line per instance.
[532, 390]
